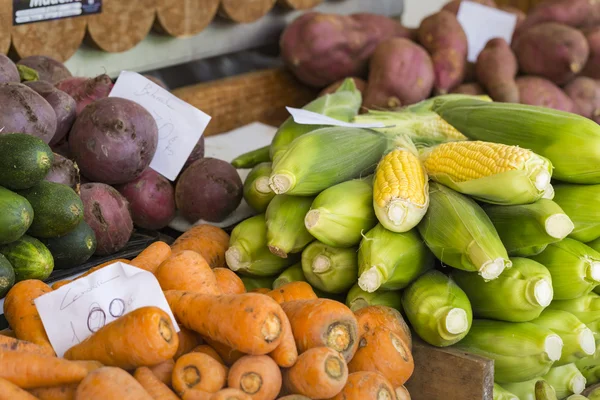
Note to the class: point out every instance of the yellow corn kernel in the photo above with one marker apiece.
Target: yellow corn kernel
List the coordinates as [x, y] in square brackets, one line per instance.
[438, 124]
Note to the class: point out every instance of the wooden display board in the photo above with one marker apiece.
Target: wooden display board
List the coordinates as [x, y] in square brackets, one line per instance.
[299, 4]
[244, 11]
[183, 18]
[58, 39]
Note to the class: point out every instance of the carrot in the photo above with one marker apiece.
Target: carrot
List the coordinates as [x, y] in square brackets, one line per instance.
[257, 376]
[28, 370]
[320, 373]
[140, 338]
[153, 385]
[206, 240]
[90, 365]
[198, 371]
[228, 355]
[22, 315]
[195, 394]
[374, 316]
[294, 397]
[60, 284]
[10, 391]
[366, 385]
[152, 256]
[323, 322]
[188, 340]
[110, 383]
[8, 333]
[9, 343]
[249, 322]
[209, 351]
[228, 281]
[163, 371]
[62, 392]
[293, 291]
[402, 393]
[230, 394]
[286, 354]
[187, 270]
[260, 290]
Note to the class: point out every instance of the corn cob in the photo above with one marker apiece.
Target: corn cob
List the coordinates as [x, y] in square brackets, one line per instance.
[521, 350]
[590, 368]
[331, 269]
[290, 274]
[586, 308]
[544, 391]
[340, 214]
[252, 158]
[520, 294]
[391, 261]
[438, 310]
[358, 298]
[286, 233]
[256, 282]
[569, 141]
[527, 229]
[461, 235]
[575, 268]
[580, 203]
[502, 394]
[257, 192]
[524, 390]
[565, 380]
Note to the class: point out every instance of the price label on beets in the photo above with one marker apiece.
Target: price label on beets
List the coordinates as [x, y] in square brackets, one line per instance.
[75, 311]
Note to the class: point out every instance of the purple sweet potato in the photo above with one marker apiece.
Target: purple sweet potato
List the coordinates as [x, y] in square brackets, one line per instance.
[361, 85]
[496, 70]
[585, 92]
[400, 73]
[210, 189]
[537, 91]
[151, 200]
[553, 51]
[454, 5]
[575, 13]
[62, 104]
[472, 88]
[86, 90]
[443, 36]
[106, 211]
[113, 140]
[196, 154]
[48, 69]
[64, 171]
[23, 110]
[592, 67]
[8, 70]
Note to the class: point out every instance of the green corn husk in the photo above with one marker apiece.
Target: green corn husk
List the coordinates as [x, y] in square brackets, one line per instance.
[526, 230]
[544, 391]
[252, 158]
[358, 298]
[27, 74]
[521, 350]
[248, 253]
[438, 310]
[548, 192]
[594, 244]
[578, 339]
[325, 157]
[565, 380]
[388, 260]
[342, 105]
[285, 224]
[428, 104]
[289, 275]
[523, 390]
[460, 233]
[594, 394]
[580, 203]
[520, 294]
[586, 308]
[571, 142]
[502, 394]
[254, 282]
[340, 214]
[590, 368]
[330, 269]
[257, 192]
[575, 268]
[577, 397]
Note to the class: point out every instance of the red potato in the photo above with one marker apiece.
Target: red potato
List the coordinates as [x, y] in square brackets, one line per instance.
[107, 212]
[85, 91]
[64, 171]
[401, 73]
[585, 92]
[113, 140]
[474, 89]
[538, 91]
[496, 70]
[8, 70]
[592, 67]
[361, 85]
[454, 5]
[196, 154]
[575, 13]
[48, 69]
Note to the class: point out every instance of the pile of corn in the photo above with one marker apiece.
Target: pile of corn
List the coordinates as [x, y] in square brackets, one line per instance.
[480, 221]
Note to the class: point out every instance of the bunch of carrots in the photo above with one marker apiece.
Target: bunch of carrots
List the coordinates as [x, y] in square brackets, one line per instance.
[232, 345]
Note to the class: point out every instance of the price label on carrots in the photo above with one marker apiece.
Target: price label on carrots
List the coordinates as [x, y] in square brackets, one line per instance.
[73, 312]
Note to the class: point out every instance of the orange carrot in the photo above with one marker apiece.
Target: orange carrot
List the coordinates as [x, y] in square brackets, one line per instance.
[294, 397]
[292, 291]
[22, 315]
[374, 316]
[260, 290]
[152, 256]
[209, 351]
[257, 376]
[188, 340]
[163, 371]
[152, 385]
[9, 343]
[28, 370]
[195, 394]
[402, 393]
[228, 281]
[198, 371]
[228, 355]
[187, 270]
[207, 240]
[90, 365]
[142, 337]
[8, 333]
[286, 354]
[366, 385]
[62, 392]
[230, 394]
[249, 322]
[110, 383]
[323, 322]
[320, 373]
[10, 391]
[60, 284]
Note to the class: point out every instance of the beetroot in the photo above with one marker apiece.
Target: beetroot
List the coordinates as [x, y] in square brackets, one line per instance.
[585, 92]
[113, 140]
[592, 67]
[106, 211]
[537, 91]
[196, 154]
[8, 70]
[48, 69]
[86, 90]
[64, 171]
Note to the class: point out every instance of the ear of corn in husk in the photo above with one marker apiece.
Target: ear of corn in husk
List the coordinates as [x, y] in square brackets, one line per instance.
[523, 390]
[594, 394]
[590, 368]
[586, 308]
[578, 397]
[575, 268]
[565, 380]
[390, 261]
[257, 282]
[544, 390]
[340, 214]
[580, 203]
[502, 394]
[438, 310]
[331, 269]
[428, 104]
[286, 233]
[252, 158]
[358, 298]
[548, 192]
[571, 142]
[526, 229]
[257, 192]
[460, 234]
[290, 274]
[520, 294]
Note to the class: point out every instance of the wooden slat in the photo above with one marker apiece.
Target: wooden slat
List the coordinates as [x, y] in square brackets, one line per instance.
[299, 4]
[244, 11]
[58, 39]
[183, 18]
[5, 25]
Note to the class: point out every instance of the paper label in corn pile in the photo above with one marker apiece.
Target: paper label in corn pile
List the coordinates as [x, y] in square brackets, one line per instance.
[305, 117]
[75, 311]
[180, 125]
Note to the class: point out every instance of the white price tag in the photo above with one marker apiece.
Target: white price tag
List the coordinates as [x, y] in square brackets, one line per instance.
[482, 23]
[305, 117]
[73, 312]
[180, 125]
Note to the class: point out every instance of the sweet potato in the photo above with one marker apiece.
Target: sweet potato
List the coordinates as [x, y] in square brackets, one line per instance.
[454, 5]
[209, 241]
[64, 171]
[496, 70]
[469, 88]
[48, 69]
[585, 92]
[575, 13]
[85, 91]
[553, 51]
[592, 67]
[401, 73]
[196, 154]
[538, 91]
[8, 70]
[361, 85]
[210, 189]
[107, 212]
[520, 14]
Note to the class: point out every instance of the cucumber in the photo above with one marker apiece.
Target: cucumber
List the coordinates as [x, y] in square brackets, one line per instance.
[74, 248]
[25, 161]
[16, 216]
[29, 258]
[57, 209]
[7, 276]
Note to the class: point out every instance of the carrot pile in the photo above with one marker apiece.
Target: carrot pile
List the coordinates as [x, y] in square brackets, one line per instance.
[232, 345]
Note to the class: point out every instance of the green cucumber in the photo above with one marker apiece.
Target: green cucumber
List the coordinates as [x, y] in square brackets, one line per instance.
[16, 216]
[74, 248]
[7, 276]
[25, 161]
[29, 258]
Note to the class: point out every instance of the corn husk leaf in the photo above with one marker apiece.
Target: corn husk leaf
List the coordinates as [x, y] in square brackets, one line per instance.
[590, 368]
[544, 391]
[289, 275]
[586, 308]
[502, 394]
[524, 390]
[565, 380]
[358, 298]
[331, 269]
[255, 282]
[257, 192]
[580, 203]
[286, 233]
